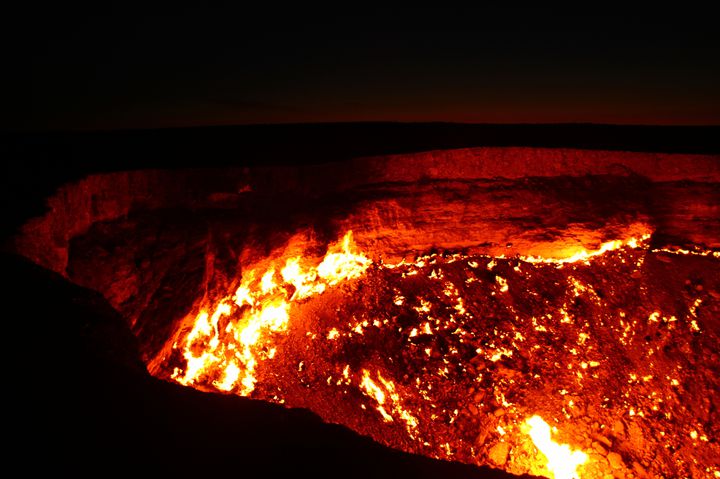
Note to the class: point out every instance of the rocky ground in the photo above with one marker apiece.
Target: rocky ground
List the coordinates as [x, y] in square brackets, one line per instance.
[619, 354]
[83, 405]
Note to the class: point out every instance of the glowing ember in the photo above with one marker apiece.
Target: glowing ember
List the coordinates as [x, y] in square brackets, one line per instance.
[562, 462]
[374, 391]
[581, 254]
[448, 355]
[227, 357]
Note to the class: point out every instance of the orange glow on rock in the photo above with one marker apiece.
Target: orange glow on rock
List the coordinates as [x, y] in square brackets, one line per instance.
[227, 357]
[244, 343]
[562, 461]
[576, 254]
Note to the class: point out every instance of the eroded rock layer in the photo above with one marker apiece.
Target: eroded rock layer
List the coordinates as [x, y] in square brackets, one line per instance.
[484, 287]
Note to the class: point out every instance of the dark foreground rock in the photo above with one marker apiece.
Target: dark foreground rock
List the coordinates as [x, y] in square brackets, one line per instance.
[81, 403]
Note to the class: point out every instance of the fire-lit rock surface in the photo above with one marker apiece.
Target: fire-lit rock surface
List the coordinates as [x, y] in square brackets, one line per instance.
[84, 406]
[678, 188]
[484, 287]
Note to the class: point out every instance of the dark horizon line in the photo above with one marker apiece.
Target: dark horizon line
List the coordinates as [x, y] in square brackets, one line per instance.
[80, 131]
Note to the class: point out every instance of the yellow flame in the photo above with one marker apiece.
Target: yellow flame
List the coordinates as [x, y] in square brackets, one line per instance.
[230, 338]
[562, 461]
[232, 373]
[267, 284]
[374, 391]
[371, 389]
[228, 358]
[584, 255]
[342, 264]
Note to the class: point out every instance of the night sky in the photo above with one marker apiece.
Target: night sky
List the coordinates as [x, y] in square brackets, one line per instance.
[192, 67]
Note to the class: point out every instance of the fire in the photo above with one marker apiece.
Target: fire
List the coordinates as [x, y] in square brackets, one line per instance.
[581, 254]
[444, 355]
[227, 357]
[388, 390]
[562, 462]
[374, 391]
[342, 265]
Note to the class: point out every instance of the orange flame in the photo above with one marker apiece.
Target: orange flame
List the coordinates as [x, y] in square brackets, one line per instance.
[582, 254]
[380, 394]
[562, 461]
[230, 338]
[258, 308]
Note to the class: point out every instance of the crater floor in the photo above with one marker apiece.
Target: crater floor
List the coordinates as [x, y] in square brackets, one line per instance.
[483, 287]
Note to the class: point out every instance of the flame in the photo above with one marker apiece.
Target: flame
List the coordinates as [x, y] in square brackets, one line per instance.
[267, 284]
[562, 461]
[376, 392]
[227, 358]
[342, 265]
[388, 390]
[582, 254]
[224, 346]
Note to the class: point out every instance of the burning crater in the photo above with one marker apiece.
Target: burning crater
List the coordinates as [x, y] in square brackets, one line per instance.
[546, 312]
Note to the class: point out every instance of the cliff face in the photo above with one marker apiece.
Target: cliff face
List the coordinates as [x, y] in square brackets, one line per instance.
[140, 236]
[157, 243]
[677, 191]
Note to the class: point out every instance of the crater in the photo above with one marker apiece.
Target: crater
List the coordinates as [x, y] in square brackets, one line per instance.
[551, 312]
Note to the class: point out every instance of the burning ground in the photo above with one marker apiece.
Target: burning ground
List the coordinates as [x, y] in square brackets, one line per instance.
[470, 357]
[560, 320]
